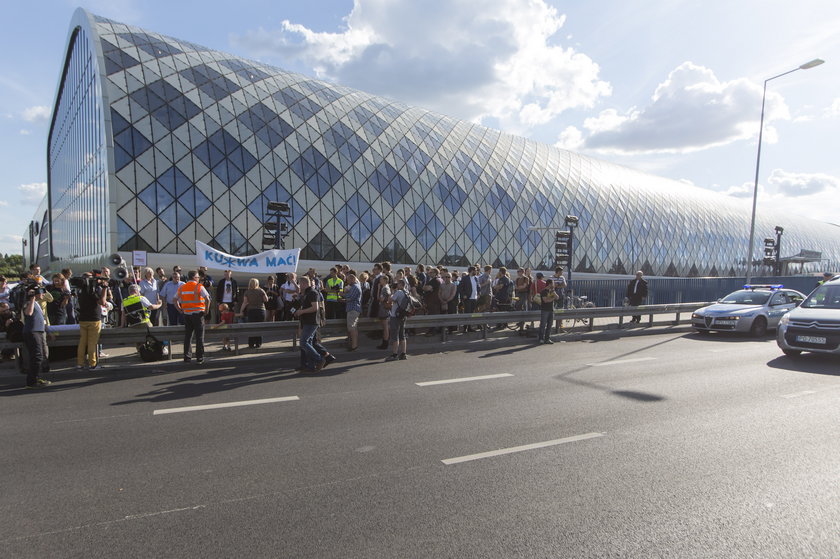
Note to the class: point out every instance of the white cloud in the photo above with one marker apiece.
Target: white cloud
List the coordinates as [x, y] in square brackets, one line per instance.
[4, 203]
[744, 190]
[25, 132]
[571, 139]
[813, 195]
[32, 193]
[803, 184]
[457, 57]
[690, 111]
[38, 113]
[834, 109]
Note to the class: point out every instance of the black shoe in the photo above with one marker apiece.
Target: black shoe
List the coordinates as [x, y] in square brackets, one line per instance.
[200, 360]
[329, 358]
[392, 357]
[187, 359]
[548, 342]
[402, 357]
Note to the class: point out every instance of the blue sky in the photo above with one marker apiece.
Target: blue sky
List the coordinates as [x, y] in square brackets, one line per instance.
[666, 86]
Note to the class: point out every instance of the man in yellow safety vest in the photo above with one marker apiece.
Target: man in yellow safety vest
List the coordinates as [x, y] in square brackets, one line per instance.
[332, 295]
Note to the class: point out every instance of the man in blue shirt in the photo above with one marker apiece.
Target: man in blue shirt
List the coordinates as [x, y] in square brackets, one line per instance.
[35, 339]
[353, 309]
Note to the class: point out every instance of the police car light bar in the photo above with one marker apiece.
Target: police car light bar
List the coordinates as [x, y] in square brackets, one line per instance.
[754, 287]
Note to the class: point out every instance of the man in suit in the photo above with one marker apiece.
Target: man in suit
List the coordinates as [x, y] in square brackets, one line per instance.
[637, 291]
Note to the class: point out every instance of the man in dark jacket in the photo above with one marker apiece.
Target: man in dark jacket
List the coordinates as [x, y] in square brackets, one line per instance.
[227, 291]
[637, 291]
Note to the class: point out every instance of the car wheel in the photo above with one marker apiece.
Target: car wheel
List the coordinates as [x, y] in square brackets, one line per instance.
[791, 352]
[759, 327]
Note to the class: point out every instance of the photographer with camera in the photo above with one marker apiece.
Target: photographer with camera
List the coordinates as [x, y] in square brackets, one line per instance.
[92, 292]
[57, 308]
[35, 338]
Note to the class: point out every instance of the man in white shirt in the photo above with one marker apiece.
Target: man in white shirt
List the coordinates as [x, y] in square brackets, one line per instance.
[291, 294]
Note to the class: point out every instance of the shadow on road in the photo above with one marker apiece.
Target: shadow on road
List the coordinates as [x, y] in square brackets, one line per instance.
[644, 397]
[729, 337]
[813, 363]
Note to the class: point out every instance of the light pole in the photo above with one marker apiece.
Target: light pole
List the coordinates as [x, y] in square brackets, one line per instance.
[806, 66]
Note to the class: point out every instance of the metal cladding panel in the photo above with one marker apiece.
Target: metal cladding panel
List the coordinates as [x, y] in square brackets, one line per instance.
[369, 178]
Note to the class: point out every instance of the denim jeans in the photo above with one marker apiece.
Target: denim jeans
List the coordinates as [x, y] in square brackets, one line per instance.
[546, 320]
[309, 346]
[176, 317]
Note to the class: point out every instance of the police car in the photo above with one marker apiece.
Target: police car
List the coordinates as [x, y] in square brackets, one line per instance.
[815, 324]
[753, 309]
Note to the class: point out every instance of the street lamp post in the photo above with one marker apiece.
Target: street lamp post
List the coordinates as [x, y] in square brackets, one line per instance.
[806, 66]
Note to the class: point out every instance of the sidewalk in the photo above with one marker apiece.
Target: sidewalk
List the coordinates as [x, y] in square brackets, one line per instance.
[118, 359]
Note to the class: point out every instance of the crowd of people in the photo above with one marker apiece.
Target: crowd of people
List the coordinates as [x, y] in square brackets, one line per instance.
[153, 297]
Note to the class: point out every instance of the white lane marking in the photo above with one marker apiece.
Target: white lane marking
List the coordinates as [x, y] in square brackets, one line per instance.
[226, 405]
[621, 361]
[502, 451]
[798, 394]
[148, 514]
[462, 379]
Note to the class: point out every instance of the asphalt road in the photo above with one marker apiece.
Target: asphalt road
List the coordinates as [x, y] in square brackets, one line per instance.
[665, 445]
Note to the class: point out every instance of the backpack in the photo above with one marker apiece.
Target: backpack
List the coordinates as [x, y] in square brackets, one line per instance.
[153, 349]
[409, 306]
[14, 330]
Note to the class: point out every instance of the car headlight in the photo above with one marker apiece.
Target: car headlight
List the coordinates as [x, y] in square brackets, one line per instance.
[784, 320]
[696, 315]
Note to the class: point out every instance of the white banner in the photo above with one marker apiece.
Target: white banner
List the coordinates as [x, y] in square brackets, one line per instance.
[268, 262]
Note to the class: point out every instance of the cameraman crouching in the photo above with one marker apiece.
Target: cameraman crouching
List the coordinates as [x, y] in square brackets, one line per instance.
[35, 338]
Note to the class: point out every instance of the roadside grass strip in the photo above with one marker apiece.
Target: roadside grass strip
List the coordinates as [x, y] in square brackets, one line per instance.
[523, 448]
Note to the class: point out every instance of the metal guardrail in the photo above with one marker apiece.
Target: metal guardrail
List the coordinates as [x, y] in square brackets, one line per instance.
[110, 337]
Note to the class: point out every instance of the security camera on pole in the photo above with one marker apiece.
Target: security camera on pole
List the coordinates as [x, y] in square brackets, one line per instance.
[276, 230]
[564, 245]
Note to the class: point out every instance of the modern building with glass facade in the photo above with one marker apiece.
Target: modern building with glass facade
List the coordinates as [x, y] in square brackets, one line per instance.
[157, 142]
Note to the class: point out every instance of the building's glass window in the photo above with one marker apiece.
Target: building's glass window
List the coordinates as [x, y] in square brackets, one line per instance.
[78, 179]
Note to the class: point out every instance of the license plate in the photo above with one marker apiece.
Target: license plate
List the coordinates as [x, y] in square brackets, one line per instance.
[725, 322]
[811, 339]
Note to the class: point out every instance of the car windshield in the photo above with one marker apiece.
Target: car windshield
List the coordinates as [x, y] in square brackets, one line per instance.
[823, 297]
[745, 297]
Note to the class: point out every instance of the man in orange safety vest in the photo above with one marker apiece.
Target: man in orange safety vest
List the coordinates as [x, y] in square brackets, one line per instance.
[193, 300]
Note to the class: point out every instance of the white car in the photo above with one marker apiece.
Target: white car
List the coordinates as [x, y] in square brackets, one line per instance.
[815, 324]
[755, 309]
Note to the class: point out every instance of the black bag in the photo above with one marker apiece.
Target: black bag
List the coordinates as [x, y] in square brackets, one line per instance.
[14, 331]
[153, 349]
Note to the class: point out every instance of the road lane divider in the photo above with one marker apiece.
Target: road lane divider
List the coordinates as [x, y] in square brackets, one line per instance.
[621, 361]
[226, 405]
[462, 379]
[798, 394]
[523, 448]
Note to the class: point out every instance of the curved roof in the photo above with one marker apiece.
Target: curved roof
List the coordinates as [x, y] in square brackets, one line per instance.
[202, 140]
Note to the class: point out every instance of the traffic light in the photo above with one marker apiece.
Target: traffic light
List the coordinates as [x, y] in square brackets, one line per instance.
[562, 248]
[769, 252]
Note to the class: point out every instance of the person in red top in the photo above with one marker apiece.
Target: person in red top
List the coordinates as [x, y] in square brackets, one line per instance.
[537, 287]
[193, 300]
[226, 316]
